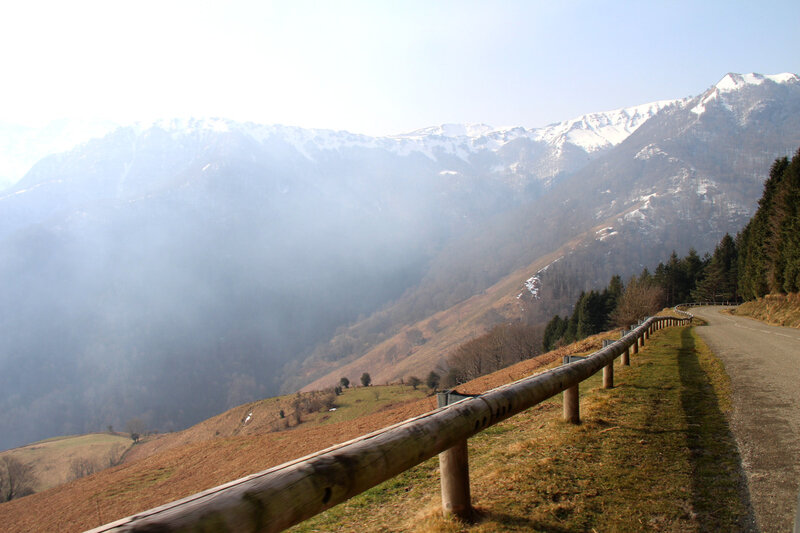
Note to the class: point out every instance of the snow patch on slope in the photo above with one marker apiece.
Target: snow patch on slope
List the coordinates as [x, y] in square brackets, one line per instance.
[640, 212]
[534, 283]
[604, 233]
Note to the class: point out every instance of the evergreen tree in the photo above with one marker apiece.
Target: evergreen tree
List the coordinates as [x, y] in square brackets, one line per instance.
[694, 268]
[769, 246]
[554, 332]
[591, 315]
[790, 228]
[571, 331]
[720, 275]
[611, 297]
[675, 279]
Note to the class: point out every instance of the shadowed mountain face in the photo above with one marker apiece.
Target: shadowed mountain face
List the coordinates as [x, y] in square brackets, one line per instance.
[172, 271]
[171, 274]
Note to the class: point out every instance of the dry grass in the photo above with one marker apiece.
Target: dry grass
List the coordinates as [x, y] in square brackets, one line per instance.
[178, 465]
[653, 454]
[775, 309]
[263, 416]
[51, 458]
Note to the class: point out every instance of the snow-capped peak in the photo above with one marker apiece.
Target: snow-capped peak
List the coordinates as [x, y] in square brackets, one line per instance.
[449, 130]
[594, 131]
[732, 82]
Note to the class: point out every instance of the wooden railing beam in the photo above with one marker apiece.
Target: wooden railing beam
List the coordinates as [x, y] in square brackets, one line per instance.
[292, 492]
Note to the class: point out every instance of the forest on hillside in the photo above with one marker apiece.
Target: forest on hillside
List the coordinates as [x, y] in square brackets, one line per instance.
[764, 258]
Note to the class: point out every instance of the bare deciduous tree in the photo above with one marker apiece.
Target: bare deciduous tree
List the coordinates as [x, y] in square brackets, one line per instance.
[82, 467]
[503, 345]
[639, 300]
[16, 479]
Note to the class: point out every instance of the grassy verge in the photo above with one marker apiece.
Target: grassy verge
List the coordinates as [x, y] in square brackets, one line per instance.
[655, 453]
[51, 458]
[775, 309]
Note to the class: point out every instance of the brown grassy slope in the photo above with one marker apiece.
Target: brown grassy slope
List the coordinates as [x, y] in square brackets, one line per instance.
[654, 453]
[775, 309]
[51, 459]
[188, 468]
[257, 418]
[397, 358]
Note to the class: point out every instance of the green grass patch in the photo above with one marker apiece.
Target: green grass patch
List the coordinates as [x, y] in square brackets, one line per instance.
[77, 441]
[361, 401]
[653, 454]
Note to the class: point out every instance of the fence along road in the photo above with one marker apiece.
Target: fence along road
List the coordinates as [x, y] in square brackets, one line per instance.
[292, 492]
[763, 363]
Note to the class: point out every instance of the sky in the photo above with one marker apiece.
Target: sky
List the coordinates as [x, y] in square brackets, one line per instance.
[376, 67]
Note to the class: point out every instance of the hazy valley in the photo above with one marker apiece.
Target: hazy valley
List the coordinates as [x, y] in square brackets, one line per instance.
[244, 260]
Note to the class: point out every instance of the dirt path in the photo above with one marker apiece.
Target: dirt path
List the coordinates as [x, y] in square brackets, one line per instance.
[763, 363]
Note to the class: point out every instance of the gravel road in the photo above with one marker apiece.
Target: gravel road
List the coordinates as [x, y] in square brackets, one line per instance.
[763, 363]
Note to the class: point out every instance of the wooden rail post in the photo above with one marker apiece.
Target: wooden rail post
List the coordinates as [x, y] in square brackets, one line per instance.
[626, 355]
[608, 376]
[572, 412]
[454, 470]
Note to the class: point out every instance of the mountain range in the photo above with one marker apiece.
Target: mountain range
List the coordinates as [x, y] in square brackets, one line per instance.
[170, 270]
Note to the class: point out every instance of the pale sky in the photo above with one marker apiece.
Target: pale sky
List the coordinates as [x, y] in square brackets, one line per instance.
[377, 67]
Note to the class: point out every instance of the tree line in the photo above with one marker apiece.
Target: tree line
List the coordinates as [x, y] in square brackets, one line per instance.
[769, 245]
[763, 258]
[502, 346]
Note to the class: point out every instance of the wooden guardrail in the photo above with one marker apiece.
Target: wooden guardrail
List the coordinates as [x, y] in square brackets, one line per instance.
[287, 494]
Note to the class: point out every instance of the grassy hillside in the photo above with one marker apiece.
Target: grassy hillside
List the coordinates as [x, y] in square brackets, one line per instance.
[775, 309]
[263, 416]
[660, 433]
[178, 465]
[51, 459]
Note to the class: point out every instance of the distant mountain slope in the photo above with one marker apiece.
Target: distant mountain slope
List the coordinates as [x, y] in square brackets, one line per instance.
[215, 256]
[682, 180]
[21, 146]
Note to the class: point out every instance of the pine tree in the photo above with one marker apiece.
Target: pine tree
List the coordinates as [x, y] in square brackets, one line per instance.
[554, 332]
[769, 246]
[789, 199]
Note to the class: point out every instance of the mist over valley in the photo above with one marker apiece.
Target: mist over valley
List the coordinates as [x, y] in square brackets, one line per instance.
[174, 269]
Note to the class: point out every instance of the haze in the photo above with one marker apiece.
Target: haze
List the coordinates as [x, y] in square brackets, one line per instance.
[376, 67]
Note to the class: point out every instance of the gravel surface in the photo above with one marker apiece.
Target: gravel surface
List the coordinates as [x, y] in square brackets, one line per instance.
[763, 363]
